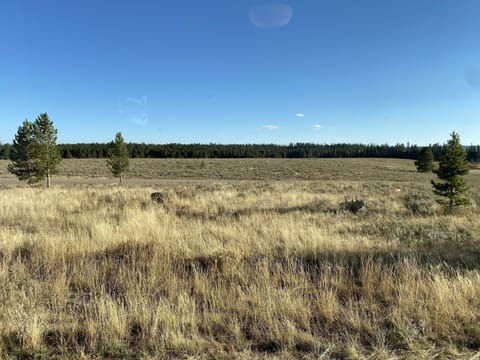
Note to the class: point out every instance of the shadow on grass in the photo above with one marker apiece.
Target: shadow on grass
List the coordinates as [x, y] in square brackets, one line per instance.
[445, 256]
[318, 206]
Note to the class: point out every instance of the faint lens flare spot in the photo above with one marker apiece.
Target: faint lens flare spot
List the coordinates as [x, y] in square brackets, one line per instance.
[472, 77]
[272, 15]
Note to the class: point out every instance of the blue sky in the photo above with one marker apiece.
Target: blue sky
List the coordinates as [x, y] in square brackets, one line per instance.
[243, 71]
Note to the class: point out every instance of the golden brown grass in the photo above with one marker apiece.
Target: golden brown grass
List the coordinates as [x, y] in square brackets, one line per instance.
[239, 269]
[243, 169]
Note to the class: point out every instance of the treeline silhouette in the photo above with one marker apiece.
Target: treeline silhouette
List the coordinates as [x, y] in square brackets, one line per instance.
[298, 150]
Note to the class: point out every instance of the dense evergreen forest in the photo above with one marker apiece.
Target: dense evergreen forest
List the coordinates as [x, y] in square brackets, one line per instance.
[298, 150]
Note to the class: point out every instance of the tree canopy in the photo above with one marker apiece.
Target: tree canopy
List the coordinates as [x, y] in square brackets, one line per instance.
[424, 163]
[118, 157]
[47, 156]
[22, 154]
[453, 165]
[34, 153]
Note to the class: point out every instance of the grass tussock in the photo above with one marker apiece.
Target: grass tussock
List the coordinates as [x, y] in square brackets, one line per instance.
[238, 270]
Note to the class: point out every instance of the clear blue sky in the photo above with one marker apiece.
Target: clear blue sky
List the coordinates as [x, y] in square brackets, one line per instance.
[243, 71]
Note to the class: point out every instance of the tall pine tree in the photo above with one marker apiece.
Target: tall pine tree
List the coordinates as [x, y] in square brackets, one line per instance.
[34, 152]
[47, 155]
[453, 165]
[22, 153]
[118, 157]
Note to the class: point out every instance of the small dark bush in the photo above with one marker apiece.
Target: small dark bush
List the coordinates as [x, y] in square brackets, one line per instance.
[352, 205]
[158, 197]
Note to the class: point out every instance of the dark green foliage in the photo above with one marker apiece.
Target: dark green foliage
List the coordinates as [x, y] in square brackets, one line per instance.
[424, 162]
[473, 153]
[118, 157]
[5, 151]
[47, 156]
[21, 153]
[83, 151]
[34, 152]
[297, 150]
[453, 165]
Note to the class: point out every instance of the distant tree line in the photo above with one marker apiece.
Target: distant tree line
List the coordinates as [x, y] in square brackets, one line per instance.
[298, 150]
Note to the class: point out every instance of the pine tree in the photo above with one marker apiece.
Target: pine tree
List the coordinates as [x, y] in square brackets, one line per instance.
[34, 153]
[47, 155]
[118, 157]
[424, 162]
[453, 165]
[21, 154]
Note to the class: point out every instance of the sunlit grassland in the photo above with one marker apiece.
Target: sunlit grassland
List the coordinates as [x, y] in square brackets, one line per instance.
[241, 269]
[244, 169]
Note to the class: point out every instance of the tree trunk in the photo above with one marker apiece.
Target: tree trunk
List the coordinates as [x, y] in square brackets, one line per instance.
[48, 179]
[120, 178]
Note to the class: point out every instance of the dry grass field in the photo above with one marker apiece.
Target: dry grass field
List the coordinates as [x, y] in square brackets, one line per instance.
[246, 259]
[240, 169]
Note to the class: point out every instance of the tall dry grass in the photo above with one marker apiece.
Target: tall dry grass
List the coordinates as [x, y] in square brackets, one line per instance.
[238, 270]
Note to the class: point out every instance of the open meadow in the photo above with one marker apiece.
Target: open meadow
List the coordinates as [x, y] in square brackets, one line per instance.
[247, 259]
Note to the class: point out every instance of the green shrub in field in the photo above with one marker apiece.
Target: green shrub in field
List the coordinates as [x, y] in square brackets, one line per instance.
[424, 163]
[453, 165]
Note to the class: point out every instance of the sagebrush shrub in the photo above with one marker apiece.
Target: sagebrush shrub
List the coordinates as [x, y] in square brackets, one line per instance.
[353, 205]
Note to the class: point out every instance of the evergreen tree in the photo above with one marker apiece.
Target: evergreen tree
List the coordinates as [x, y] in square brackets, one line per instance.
[22, 154]
[47, 155]
[453, 165]
[424, 162]
[34, 152]
[118, 157]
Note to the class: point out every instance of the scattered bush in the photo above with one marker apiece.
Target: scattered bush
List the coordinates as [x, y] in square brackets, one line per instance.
[353, 205]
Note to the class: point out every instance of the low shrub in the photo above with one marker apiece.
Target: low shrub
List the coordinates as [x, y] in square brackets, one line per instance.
[353, 205]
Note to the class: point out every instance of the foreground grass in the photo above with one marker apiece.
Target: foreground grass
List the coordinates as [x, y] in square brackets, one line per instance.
[238, 269]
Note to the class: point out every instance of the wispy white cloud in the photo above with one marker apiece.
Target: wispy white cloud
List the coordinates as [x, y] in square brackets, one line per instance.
[269, 127]
[135, 110]
[317, 126]
[300, 115]
[141, 120]
[268, 16]
[142, 100]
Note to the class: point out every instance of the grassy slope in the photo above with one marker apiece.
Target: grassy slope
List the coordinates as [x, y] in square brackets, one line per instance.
[245, 269]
